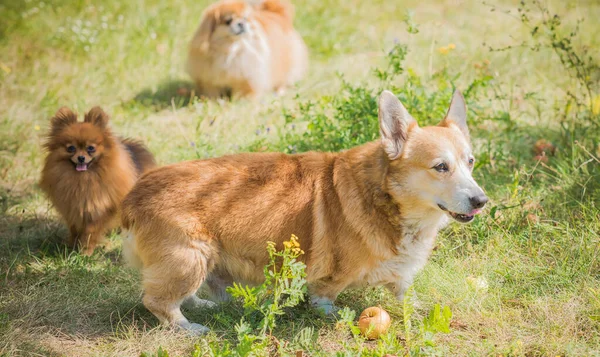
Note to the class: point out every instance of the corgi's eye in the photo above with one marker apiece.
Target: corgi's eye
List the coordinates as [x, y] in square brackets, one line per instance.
[228, 21]
[471, 161]
[443, 167]
[71, 149]
[91, 149]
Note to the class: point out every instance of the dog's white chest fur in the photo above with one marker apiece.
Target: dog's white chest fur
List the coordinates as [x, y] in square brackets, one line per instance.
[246, 59]
[414, 249]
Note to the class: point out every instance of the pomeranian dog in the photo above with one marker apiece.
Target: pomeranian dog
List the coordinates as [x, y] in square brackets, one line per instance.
[87, 172]
[246, 49]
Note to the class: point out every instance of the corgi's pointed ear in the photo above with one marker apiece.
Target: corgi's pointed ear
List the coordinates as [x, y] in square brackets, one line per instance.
[97, 116]
[63, 118]
[457, 114]
[394, 124]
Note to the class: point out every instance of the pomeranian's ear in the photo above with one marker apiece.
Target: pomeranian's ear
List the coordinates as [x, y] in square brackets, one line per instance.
[281, 7]
[207, 27]
[97, 116]
[63, 118]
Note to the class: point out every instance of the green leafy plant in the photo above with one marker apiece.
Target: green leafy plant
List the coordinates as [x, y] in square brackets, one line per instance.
[160, 352]
[349, 118]
[548, 31]
[437, 321]
[284, 287]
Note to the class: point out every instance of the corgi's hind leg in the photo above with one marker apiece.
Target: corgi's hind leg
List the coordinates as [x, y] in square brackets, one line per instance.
[173, 278]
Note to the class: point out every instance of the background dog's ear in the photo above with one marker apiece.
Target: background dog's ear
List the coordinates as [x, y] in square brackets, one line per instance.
[280, 7]
[63, 118]
[206, 29]
[457, 113]
[97, 116]
[394, 124]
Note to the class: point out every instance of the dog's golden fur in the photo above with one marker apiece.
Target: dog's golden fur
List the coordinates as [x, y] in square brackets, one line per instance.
[246, 49]
[368, 215]
[88, 201]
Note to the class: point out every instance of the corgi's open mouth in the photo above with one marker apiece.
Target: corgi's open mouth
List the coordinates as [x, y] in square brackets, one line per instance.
[460, 217]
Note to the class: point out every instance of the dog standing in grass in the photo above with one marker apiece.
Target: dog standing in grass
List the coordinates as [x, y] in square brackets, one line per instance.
[87, 173]
[368, 215]
[246, 49]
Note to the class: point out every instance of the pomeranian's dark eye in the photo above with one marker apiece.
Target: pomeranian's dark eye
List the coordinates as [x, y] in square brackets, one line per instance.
[441, 167]
[91, 149]
[71, 148]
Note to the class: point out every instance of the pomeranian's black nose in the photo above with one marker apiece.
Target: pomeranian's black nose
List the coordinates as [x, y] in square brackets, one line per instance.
[478, 201]
[239, 28]
[81, 159]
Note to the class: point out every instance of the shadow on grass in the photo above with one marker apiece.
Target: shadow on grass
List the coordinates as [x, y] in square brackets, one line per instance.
[48, 288]
[169, 93]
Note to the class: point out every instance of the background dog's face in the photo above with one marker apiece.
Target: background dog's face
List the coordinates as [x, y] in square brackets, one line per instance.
[82, 144]
[436, 163]
[226, 22]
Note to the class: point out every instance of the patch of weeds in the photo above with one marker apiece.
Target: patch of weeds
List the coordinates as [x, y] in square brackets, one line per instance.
[412, 344]
[349, 118]
[284, 287]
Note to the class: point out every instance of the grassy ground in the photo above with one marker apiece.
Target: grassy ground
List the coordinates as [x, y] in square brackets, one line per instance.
[538, 253]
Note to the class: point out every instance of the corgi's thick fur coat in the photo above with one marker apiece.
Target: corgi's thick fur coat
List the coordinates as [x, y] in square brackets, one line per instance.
[246, 49]
[368, 215]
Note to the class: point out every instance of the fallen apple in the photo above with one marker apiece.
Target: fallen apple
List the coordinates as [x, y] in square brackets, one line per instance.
[374, 322]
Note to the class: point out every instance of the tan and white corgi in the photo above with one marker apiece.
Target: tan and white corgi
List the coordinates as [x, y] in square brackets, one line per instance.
[369, 215]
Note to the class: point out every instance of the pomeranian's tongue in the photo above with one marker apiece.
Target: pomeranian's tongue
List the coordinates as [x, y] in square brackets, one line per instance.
[81, 167]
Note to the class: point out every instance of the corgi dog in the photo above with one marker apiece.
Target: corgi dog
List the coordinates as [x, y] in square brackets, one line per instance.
[365, 216]
[246, 49]
[87, 173]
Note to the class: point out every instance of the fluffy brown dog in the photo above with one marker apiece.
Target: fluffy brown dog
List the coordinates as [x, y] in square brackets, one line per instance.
[246, 49]
[368, 215]
[87, 173]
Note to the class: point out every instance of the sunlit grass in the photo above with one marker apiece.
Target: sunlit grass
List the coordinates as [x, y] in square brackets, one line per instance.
[538, 255]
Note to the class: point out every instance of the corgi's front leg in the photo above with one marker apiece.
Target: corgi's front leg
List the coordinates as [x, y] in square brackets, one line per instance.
[399, 288]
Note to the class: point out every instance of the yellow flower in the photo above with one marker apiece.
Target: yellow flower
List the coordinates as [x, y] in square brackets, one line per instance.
[445, 49]
[287, 245]
[294, 241]
[5, 68]
[37, 128]
[596, 105]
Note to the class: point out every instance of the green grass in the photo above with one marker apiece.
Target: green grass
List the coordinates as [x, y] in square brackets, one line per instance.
[537, 246]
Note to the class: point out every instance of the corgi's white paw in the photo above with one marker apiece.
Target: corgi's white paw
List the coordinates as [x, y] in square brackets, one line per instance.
[194, 302]
[324, 304]
[194, 329]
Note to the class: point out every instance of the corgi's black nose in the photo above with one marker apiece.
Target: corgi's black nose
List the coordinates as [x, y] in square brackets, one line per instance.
[81, 159]
[478, 201]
